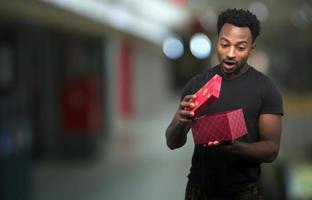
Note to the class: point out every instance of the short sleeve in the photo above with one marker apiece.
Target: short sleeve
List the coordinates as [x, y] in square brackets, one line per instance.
[272, 102]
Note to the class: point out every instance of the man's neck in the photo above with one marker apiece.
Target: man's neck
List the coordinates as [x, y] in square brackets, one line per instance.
[231, 76]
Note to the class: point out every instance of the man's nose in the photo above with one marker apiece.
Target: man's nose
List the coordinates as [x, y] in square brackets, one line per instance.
[231, 52]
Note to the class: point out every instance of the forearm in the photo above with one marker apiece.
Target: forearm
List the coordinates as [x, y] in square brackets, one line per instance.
[262, 151]
[176, 134]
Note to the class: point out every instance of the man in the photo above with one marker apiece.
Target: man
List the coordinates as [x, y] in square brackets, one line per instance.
[232, 170]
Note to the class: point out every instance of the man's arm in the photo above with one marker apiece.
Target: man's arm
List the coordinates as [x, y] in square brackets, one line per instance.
[267, 148]
[176, 133]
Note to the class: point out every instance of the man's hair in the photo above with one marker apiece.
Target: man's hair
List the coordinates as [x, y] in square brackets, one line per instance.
[240, 18]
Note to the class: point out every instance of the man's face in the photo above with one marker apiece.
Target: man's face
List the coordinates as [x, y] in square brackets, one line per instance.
[234, 47]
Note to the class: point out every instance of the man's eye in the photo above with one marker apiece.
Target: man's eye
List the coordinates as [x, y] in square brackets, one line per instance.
[224, 45]
[241, 48]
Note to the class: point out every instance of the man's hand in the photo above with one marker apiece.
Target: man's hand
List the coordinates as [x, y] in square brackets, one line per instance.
[213, 143]
[181, 123]
[184, 116]
[217, 143]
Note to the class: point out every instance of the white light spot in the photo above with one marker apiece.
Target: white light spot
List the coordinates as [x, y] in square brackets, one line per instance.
[173, 48]
[200, 45]
[302, 16]
[260, 10]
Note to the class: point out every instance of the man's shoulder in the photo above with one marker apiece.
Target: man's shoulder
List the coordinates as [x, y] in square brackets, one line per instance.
[264, 81]
[259, 76]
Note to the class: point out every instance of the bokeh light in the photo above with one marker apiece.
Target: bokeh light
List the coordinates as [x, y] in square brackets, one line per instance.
[260, 10]
[302, 16]
[173, 48]
[200, 45]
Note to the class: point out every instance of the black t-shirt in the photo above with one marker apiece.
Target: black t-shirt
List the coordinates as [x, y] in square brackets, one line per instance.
[218, 171]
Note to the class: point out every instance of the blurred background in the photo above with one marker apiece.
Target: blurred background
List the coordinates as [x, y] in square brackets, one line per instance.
[88, 87]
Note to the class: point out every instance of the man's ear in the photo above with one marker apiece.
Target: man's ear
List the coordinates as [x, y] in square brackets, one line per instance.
[253, 47]
[216, 43]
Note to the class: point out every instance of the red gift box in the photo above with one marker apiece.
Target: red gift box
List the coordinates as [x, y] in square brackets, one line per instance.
[222, 127]
[207, 94]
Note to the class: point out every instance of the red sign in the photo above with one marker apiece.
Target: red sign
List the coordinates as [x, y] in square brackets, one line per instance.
[179, 2]
[81, 105]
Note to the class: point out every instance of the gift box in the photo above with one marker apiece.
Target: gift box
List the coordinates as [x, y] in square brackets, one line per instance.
[222, 127]
[207, 94]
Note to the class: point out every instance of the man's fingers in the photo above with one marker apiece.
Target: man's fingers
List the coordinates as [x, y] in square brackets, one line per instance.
[186, 104]
[189, 97]
[185, 121]
[186, 116]
[185, 113]
[211, 143]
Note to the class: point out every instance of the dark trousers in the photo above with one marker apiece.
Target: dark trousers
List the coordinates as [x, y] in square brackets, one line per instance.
[250, 192]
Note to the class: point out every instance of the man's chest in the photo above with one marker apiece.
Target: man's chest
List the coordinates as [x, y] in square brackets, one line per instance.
[234, 95]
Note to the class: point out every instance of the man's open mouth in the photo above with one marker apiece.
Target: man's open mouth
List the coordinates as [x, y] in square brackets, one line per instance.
[229, 64]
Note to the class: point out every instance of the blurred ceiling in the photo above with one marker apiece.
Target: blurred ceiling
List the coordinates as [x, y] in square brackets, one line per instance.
[155, 20]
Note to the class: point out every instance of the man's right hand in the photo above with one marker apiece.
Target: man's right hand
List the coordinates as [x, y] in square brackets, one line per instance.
[184, 114]
[181, 123]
